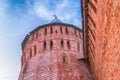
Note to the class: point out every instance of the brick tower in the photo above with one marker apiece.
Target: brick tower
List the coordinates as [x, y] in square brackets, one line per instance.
[54, 52]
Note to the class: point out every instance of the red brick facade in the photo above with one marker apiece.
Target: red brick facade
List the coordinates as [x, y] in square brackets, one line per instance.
[54, 52]
[101, 24]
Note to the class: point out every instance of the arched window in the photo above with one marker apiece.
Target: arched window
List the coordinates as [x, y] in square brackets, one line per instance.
[61, 29]
[66, 30]
[51, 31]
[30, 52]
[62, 44]
[45, 31]
[51, 44]
[78, 46]
[44, 45]
[68, 44]
[64, 59]
[35, 50]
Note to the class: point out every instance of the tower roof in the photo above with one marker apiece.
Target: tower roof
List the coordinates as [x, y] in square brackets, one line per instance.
[56, 20]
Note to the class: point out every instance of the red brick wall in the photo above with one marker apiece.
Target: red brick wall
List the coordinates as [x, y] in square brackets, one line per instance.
[101, 20]
[56, 63]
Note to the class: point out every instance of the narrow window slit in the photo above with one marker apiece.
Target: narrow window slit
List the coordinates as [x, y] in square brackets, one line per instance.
[62, 44]
[45, 31]
[61, 29]
[64, 59]
[56, 31]
[66, 31]
[68, 45]
[51, 44]
[30, 52]
[44, 45]
[35, 50]
[78, 46]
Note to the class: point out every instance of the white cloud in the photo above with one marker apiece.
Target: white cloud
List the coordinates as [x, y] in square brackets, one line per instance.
[66, 11]
[42, 12]
[61, 6]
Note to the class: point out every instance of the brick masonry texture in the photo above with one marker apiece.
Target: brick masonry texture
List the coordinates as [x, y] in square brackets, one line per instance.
[101, 23]
[54, 52]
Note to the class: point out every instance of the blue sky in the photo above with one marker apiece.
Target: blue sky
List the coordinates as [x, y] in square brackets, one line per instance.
[19, 17]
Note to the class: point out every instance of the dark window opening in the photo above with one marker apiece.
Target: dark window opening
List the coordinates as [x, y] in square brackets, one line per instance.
[45, 31]
[44, 45]
[62, 44]
[64, 59]
[68, 44]
[56, 31]
[81, 77]
[51, 31]
[35, 50]
[51, 44]
[30, 53]
[78, 46]
[66, 30]
[61, 29]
